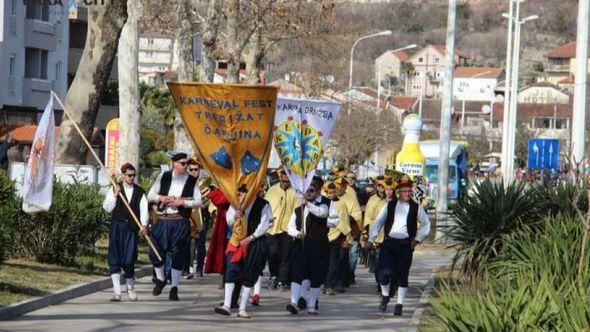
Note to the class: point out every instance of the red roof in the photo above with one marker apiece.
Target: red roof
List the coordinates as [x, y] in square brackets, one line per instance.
[477, 72]
[568, 80]
[442, 49]
[401, 55]
[566, 51]
[26, 133]
[403, 102]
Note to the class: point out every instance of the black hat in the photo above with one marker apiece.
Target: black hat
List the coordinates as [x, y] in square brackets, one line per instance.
[317, 182]
[179, 156]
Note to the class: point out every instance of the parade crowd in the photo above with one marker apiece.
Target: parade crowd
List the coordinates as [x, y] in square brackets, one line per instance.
[312, 244]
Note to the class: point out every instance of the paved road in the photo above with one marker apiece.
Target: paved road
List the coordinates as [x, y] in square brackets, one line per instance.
[353, 311]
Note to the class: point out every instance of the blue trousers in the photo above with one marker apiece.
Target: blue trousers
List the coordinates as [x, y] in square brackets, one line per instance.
[309, 260]
[122, 248]
[171, 238]
[395, 260]
[250, 268]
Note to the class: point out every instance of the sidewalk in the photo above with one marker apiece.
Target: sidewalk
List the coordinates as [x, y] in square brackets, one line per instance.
[355, 310]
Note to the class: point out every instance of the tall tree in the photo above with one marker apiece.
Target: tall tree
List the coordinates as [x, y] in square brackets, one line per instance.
[186, 67]
[209, 33]
[129, 99]
[105, 22]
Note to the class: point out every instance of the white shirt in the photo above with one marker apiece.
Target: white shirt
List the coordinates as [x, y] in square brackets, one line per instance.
[176, 187]
[320, 211]
[110, 201]
[399, 229]
[265, 217]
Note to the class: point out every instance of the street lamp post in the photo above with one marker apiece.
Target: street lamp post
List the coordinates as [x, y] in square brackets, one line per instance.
[508, 139]
[382, 33]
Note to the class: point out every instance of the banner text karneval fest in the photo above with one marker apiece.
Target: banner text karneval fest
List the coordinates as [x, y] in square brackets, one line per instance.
[231, 128]
[302, 130]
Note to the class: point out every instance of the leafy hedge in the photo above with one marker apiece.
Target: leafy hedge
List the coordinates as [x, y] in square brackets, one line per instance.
[74, 223]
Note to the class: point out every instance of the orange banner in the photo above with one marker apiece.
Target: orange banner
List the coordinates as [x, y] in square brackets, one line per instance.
[231, 129]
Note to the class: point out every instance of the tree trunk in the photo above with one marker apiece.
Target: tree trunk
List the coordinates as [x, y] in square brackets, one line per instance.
[255, 59]
[84, 96]
[129, 103]
[233, 47]
[210, 29]
[184, 40]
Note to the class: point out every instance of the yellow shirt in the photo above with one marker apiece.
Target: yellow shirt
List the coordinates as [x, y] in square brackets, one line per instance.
[283, 203]
[352, 206]
[343, 226]
[374, 206]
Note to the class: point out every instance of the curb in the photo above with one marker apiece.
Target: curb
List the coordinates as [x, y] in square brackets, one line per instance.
[23, 307]
[422, 303]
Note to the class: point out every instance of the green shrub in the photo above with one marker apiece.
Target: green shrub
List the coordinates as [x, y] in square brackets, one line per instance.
[8, 203]
[157, 158]
[558, 198]
[481, 220]
[532, 285]
[74, 223]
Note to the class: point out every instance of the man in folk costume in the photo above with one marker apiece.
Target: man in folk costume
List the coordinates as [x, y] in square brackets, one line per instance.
[338, 237]
[374, 206]
[122, 252]
[311, 248]
[247, 251]
[197, 223]
[283, 201]
[176, 194]
[399, 219]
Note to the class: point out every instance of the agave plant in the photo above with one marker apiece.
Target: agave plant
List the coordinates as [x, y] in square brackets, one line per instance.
[558, 198]
[481, 221]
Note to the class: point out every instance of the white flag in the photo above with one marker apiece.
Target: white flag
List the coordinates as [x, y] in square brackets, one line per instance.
[38, 184]
[301, 135]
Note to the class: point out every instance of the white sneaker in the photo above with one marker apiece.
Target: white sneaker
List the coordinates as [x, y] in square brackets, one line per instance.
[132, 294]
[312, 311]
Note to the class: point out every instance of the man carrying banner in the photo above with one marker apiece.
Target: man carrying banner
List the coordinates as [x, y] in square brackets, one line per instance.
[310, 250]
[247, 250]
[399, 218]
[338, 254]
[176, 194]
[282, 200]
[122, 252]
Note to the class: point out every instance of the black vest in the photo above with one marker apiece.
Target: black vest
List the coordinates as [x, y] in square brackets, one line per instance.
[187, 191]
[412, 221]
[255, 215]
[315, 227]
[120, 212]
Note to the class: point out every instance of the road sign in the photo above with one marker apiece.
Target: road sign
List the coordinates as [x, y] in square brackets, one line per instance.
[543, 153]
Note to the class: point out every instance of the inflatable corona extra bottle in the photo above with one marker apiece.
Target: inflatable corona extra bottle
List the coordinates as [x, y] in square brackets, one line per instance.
[410, 159]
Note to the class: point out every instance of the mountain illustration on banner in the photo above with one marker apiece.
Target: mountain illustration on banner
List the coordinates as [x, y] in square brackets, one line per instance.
[250, 163]
[222, 158]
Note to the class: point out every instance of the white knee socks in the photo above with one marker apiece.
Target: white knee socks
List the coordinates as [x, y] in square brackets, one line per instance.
[295, 292]
[257, 286]
[401, 294]
[176, 277]
[129, 282]
[304, 287]
[116, 277]
[314, 294]
[160, 273]
[245, 297]
[229, 289]
[385, 290]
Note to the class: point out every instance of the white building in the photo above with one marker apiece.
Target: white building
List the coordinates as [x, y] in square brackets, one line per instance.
[33, 57]
[543, 93]
[476, 83]
[157, 55]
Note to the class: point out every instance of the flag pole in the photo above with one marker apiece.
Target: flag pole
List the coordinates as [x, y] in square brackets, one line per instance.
[67, 114]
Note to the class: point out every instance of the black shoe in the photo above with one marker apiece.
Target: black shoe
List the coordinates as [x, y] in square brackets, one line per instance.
[158, 288]
[173, 294]
[291, 308]
[302, 304]
[223, 310]
[383, 304]
[397, 311]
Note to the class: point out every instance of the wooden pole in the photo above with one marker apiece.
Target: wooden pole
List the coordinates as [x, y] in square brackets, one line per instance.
[67, 114]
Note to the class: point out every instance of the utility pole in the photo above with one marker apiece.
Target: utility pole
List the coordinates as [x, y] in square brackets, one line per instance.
[507, 85]
[511, 135]
[579, 116]
[445, 118]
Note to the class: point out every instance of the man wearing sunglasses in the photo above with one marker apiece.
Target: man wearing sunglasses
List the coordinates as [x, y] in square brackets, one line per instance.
[310, 250]
[399, 218]
[283, 201]
[122, 252]
[176, 194]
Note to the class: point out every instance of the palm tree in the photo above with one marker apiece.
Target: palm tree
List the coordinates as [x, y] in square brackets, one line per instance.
[159, 110]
